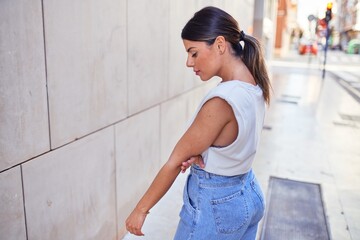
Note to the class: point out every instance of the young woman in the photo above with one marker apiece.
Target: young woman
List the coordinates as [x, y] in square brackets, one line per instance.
[222, 198]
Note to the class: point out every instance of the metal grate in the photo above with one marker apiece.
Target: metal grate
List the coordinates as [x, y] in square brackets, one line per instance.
[295, 211]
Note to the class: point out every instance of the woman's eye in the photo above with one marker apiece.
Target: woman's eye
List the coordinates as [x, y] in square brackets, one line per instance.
[194, 54]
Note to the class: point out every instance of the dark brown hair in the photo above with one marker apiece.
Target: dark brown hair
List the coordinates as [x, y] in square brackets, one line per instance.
[210, 22]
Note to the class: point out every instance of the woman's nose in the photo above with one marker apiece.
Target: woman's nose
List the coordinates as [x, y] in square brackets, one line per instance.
[189, 62]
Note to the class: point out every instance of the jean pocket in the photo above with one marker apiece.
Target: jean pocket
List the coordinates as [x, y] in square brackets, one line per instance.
[231, 213]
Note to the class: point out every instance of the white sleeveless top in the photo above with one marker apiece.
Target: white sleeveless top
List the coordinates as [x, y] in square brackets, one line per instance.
[248, 106]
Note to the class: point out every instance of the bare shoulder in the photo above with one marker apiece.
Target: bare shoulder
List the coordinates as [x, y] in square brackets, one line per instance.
[217, 108]
[205, 130]
[222, 121]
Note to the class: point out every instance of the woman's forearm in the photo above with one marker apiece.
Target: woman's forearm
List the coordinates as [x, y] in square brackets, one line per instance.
[195, 140]
[161, 184]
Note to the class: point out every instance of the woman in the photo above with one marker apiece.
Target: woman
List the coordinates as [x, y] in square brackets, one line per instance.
[222, 199]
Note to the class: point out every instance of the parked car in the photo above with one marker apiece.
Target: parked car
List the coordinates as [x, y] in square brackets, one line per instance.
[308, 46]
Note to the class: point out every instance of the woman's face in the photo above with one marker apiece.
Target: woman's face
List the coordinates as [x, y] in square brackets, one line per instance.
[204, 59]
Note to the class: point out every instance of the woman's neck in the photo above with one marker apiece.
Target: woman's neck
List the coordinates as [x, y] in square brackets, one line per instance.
[235, 69]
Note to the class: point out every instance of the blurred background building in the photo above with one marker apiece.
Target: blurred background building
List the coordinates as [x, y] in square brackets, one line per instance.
[301, 23]
[348, 22]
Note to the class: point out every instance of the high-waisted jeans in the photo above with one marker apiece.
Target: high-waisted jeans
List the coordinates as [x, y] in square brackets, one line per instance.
[220, 207]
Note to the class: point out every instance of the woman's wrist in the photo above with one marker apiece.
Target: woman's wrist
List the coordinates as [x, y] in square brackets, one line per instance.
[142, 210]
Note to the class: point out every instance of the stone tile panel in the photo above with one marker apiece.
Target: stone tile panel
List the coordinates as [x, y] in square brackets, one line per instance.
[24, 130]
[86, 65]
[70, 192]
[12, 220]
[148, 63]
[181, 78]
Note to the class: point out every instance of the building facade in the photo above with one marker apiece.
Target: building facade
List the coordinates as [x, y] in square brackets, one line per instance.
[348, 21]
[93, 97]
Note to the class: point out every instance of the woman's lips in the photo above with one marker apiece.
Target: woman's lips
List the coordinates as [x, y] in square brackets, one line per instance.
[197, 72]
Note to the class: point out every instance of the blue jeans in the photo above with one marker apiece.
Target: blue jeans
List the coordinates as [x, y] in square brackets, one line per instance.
[220, 207]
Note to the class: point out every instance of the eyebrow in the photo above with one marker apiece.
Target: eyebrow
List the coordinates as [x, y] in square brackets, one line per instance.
[188, 50]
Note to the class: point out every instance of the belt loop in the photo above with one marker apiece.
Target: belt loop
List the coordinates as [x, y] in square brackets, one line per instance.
[207, 175]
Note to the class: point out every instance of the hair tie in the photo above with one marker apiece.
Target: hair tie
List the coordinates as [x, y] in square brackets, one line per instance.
[242, 35]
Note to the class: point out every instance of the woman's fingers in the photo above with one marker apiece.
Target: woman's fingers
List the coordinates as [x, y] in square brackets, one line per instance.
[185, 165]
[135, 222]
[193, 160]
[200, 162]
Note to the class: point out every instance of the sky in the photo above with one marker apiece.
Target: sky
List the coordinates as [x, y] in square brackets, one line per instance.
[307, 7]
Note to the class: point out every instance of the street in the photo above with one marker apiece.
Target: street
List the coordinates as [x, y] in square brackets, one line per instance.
[311, 134]
[345, 68]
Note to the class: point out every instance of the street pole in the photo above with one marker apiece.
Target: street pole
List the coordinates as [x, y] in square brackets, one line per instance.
[328, 16]
[325, 50]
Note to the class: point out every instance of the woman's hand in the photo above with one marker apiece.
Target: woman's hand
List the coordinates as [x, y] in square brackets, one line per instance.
[193, 160]
[135, 222]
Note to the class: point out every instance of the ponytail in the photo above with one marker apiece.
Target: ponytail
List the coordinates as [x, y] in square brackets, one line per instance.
[253, 58]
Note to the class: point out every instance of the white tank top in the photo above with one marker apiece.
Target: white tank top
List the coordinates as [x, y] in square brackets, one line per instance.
[248, 106]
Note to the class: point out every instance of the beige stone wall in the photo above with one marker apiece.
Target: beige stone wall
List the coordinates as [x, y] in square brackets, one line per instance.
[93, 96]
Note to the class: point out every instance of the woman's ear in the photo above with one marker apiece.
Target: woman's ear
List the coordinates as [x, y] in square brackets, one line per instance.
[220, 44]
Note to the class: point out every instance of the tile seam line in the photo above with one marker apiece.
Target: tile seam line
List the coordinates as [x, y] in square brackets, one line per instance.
[116, 184]
[24, 205]
[102, 128]
[46, 72]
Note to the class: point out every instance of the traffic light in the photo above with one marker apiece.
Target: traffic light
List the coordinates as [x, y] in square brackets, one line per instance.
[328, 12]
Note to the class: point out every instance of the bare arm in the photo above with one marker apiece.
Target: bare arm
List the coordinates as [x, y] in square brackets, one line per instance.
[208, 124]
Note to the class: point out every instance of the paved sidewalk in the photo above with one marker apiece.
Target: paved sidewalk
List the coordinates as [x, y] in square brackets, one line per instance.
[315, 137]
[311, 134]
